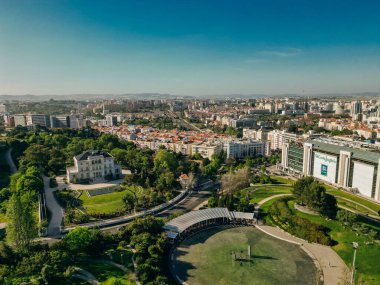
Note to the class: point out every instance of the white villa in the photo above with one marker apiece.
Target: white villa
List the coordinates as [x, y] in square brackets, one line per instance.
[93, 166]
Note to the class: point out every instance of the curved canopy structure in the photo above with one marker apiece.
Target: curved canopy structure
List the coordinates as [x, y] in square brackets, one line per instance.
[187, 221]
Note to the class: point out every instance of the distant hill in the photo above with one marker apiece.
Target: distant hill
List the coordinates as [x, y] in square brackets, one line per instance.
[159, 96]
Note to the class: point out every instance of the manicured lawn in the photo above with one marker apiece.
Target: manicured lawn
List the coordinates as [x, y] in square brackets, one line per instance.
[344, 194]
[259, 193]
[106, 203]
[206, 258]
[368, 254]
[105, 273]
[353, 206]
[282, 180]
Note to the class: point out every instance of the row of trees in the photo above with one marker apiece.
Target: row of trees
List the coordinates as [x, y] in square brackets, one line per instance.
[25, 186]
[233, 202]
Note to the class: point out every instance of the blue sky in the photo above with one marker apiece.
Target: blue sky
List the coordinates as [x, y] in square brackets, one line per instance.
[189, 47]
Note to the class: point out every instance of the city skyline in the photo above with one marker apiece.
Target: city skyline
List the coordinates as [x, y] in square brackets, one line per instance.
[189, 48]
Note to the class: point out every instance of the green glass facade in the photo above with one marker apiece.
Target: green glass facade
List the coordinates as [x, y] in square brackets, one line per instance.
[295, 157]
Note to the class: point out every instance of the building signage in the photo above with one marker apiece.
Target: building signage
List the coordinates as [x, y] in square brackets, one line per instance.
[324, 169]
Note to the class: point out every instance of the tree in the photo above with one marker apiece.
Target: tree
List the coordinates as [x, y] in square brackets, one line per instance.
[79, 239]
[21, 226]
[312, 194]
[129, 202]
[37, 155]
[165, 161]
[329, 206]
[234, 181]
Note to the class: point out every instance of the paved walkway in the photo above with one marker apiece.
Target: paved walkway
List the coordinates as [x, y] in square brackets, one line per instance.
[259, 204]
[55, 209]
[334, 269]
[85, 275]
[8, 157]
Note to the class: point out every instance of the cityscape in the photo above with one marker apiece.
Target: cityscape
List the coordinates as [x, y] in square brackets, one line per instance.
[191, 143]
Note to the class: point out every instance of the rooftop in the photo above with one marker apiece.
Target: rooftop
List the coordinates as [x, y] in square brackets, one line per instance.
[181, 223]
[89, 153]
[359, 154]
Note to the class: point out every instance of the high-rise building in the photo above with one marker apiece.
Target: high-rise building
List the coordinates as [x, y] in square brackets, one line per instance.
[356, 108]
[38, 120]
[3, 109]
[59, 122]
[20, 120]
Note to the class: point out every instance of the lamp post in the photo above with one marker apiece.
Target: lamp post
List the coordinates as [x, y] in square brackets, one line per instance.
[355, 245]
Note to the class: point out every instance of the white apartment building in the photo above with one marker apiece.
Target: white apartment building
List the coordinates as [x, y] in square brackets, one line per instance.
[246, 148]
[206, 150]
[261, 135]
[93, 166]
[278, 138]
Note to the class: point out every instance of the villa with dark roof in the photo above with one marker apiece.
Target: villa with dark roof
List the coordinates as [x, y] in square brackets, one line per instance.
[93, 166]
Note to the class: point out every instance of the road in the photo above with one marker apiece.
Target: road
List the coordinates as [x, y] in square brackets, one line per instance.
[184, 122]
[190, 203]
[55, 209]
[8, 157]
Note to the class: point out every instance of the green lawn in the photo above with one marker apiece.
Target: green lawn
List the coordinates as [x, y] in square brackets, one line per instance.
[340, 193]
[281, 180]
[368, 255]
[206, 258]
[105, 273]
[355, 207]
[256, 194]
[106, 203]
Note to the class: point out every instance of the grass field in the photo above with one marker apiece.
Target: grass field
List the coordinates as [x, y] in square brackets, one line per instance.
[281, 180]
[339, 193]
[263, 192]
[106, 203]
[368, 254]
[205, 258]
[354, 206]
[106, 273]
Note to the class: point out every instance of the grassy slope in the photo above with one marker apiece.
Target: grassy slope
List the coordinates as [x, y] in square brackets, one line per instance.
[256, 194]
[365, 202]
[368, 256]
[106, 203]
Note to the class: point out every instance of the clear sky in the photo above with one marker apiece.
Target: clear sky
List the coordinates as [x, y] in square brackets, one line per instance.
[189, 47]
